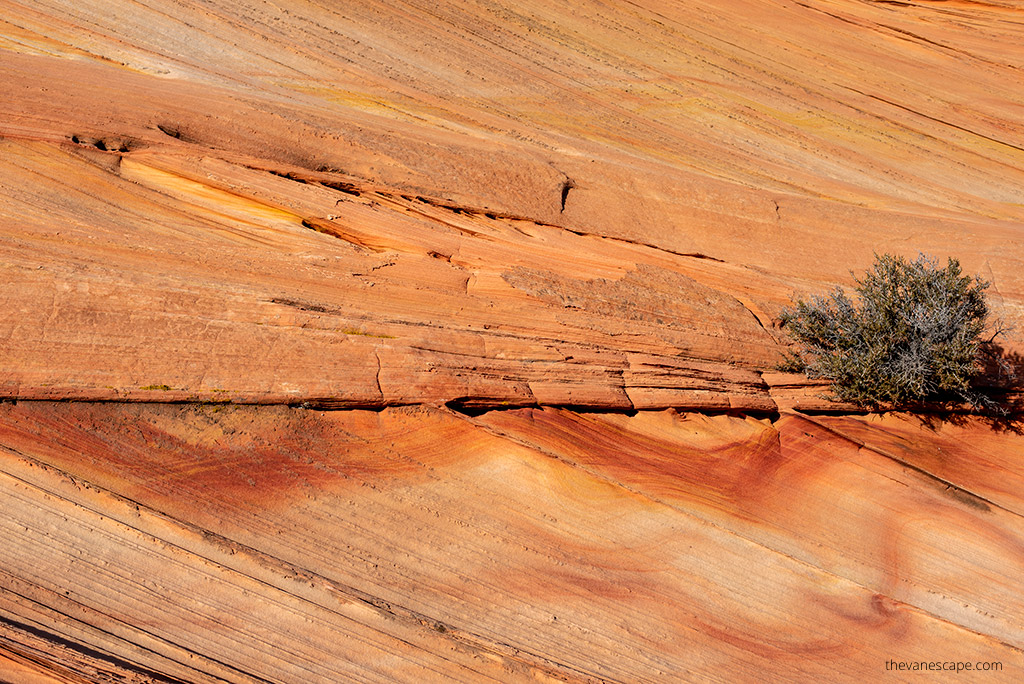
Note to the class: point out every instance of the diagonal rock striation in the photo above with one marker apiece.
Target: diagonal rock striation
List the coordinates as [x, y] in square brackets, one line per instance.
[436, 341]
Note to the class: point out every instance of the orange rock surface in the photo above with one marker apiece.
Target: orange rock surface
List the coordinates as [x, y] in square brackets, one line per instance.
[421, 341]
[415, 544]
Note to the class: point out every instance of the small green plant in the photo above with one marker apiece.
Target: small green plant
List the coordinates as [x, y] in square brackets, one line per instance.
[915, 334]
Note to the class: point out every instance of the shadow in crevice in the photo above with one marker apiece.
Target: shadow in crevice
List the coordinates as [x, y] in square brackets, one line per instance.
[1000, 369]
[997, 398]
[998, 382]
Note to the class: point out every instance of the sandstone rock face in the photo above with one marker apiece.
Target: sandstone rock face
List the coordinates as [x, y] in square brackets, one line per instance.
[437, 341]
[268, 203]
[232, 543]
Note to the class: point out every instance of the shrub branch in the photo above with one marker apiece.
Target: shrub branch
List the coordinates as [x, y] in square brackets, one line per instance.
[914, 334]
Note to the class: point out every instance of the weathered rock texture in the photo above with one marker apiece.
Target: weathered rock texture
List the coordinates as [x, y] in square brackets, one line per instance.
[267, 204]
[414, 544]
[270, 270]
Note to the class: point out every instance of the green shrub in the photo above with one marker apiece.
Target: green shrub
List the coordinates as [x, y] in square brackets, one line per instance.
[914, 334]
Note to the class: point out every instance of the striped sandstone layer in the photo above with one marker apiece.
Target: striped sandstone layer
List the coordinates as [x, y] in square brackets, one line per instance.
[435, 341]
[247, 543]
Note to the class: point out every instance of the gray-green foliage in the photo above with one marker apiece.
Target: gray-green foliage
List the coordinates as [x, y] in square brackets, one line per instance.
[914, 334]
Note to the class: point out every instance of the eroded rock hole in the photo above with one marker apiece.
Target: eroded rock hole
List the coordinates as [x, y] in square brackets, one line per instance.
[169, 130]
[567, 185]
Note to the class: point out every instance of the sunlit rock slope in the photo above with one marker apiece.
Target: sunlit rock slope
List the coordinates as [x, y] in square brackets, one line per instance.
[427, 341]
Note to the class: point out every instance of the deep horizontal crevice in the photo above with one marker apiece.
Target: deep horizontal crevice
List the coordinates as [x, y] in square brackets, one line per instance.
[1000, 419]
[476, 406]
[468, 407]
[329, 404]
[473, 407]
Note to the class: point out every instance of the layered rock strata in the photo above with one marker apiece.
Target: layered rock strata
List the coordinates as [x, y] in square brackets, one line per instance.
[222, 543]
[436, 341]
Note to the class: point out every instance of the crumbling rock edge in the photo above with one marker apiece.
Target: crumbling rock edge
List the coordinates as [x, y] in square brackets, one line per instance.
[782, 392]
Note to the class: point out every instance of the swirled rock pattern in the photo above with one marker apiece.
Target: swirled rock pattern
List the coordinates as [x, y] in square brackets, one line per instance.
[246, 543]
[426, 341]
